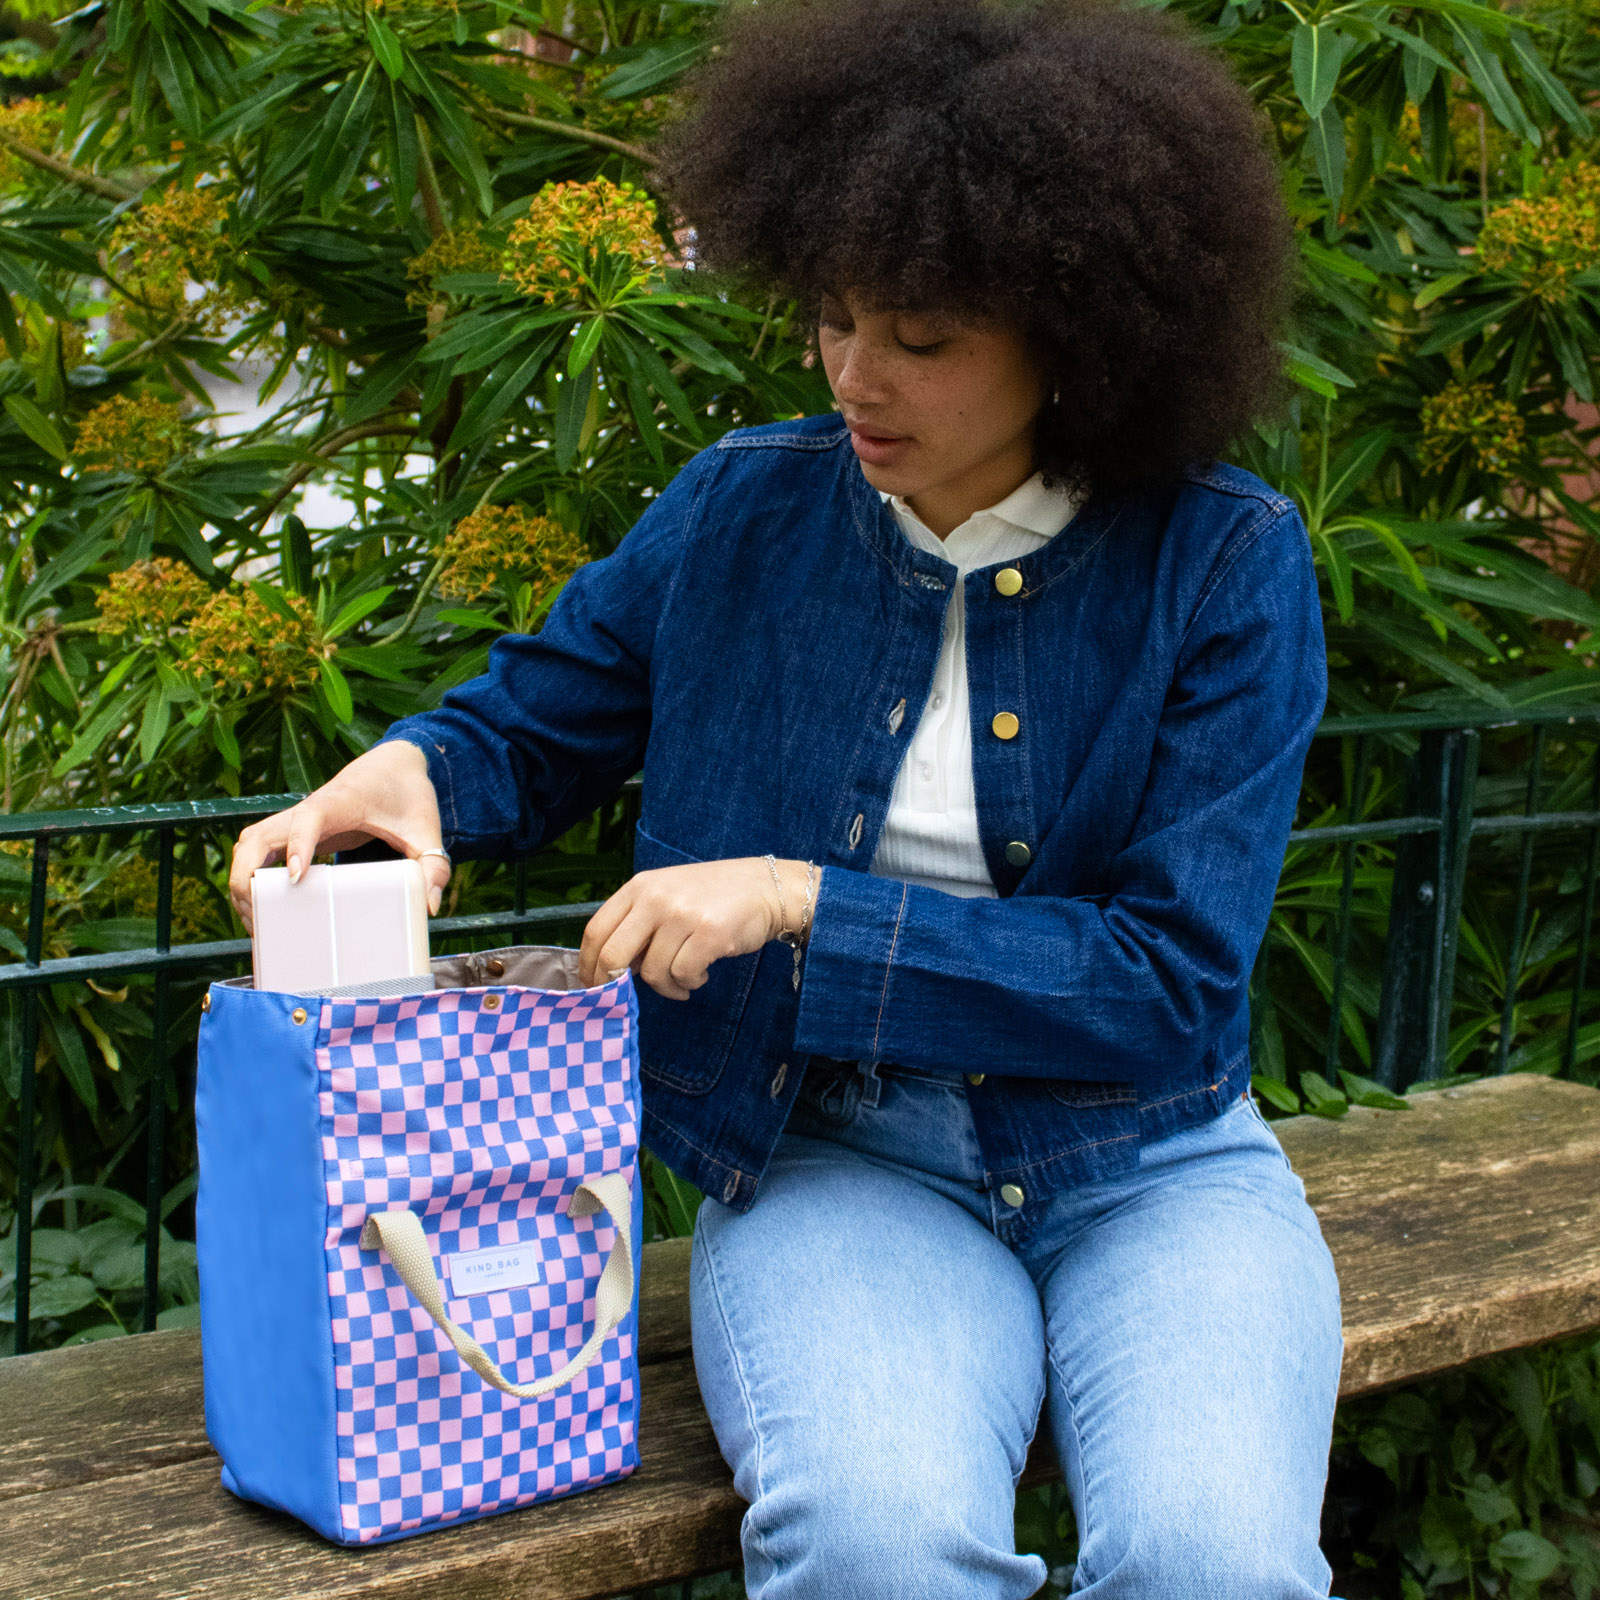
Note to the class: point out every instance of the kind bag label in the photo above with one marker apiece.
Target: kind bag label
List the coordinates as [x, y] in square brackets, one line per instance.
[504, 1266]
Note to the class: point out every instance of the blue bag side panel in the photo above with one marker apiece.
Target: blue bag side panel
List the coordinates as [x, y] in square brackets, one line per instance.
[260, 1224]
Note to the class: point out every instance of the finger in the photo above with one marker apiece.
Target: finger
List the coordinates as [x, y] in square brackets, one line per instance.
[624, 947]
[256, 846]
[599, 928]
[304, 837]
[435, 874]
[664, 953]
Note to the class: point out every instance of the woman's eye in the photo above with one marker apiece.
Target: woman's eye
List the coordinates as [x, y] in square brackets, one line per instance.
[921, 349]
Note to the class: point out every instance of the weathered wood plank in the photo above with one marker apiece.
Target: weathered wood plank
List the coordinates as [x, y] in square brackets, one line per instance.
[126, 1405]
[175, 1533]
[1465, 1226]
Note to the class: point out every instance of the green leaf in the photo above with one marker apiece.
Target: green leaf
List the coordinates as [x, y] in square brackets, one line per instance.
[1330, 374]
[470, 619]
[106, 721]
[154, 724]
[67, 1046]
[295, 561]
[1489, 1504]
[391, 56]
[36, 425]
[1525, 1555]
[653, 68]
[582, 350]
[1326, 138]
[295, 771]
[337, 690]
[1315, 57]
[1525, 1395]
[227, 745]
[1442, 286]
[1321, 1096]
[1276, 1091]
[1485, 71]
[357, 610]
[1364, 1092]
[572, 401]
[1555, 91]
[60, 1297]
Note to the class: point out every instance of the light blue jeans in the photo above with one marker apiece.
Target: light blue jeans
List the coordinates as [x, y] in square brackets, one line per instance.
[877, 1338]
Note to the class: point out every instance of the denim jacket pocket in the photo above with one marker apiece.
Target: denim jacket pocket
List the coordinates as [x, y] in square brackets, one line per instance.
[685, 1044]
[1072, 1092]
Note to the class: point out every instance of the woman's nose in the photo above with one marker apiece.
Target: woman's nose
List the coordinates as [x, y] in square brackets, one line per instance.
[860, 378]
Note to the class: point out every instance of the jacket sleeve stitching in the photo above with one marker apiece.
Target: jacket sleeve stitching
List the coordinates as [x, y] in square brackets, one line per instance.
[1227, 561]
[888, 967]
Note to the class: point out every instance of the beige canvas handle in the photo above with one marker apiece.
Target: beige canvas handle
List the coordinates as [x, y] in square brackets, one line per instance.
[400, 1234]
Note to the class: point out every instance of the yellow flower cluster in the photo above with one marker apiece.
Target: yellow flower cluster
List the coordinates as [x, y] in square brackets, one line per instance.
[1548, 239]
[150, 599]
[182, 238]
[123, 435]
[463, 249]
[546, 250]
[134, 887]
[241, 643]
[30, 122]
[499, 542]
[1471, 416]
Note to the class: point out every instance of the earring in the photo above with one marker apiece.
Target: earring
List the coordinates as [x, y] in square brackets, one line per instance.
[1055, 397]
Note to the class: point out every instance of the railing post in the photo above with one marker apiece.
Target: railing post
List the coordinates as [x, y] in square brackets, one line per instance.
[1425, 912]
[23, 1293]
[156, 1124]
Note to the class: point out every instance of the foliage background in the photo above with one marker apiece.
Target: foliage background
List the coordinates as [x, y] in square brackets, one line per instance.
[336, 334]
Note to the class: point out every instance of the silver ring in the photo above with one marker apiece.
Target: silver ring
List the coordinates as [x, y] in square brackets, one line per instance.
[434, 850]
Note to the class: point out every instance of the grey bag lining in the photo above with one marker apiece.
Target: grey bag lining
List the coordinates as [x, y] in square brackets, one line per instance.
[526, 966]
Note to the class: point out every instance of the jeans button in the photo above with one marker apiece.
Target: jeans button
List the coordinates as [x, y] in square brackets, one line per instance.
[974, 1078]
[1011, 1194]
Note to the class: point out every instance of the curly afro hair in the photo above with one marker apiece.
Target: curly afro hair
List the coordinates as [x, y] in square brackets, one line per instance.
[1090, 174]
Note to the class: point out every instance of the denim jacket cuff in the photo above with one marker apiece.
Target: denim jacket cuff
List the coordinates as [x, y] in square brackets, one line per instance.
[845, 979]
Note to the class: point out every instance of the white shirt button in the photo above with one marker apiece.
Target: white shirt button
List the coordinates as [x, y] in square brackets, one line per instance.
[927, 771]
[938, 699]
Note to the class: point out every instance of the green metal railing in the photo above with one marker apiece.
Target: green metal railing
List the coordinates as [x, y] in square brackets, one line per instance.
[1431, 842]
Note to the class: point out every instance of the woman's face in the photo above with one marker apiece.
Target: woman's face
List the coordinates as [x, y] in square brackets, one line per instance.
[941, 408]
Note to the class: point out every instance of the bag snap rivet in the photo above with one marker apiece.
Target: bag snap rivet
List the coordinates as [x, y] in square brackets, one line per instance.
[496, 967]
[491, 1002]
[205, 1002]
[298, 1015]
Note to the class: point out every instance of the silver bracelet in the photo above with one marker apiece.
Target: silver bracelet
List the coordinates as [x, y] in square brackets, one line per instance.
[794, 938]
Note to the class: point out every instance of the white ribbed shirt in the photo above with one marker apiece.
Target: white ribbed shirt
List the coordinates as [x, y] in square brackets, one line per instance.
[931, 833]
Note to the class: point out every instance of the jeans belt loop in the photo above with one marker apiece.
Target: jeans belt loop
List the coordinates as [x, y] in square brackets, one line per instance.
[872, 1083]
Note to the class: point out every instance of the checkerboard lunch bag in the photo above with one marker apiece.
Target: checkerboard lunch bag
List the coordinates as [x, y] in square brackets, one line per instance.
[418, 1226]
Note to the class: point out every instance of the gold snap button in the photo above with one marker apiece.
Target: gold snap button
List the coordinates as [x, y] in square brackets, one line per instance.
[1008, 580]
[1011, 1194]
[1005, 725]
[205, 1002]
[298, 1015]
[491, 1002]
[1018, 854]
[777, 1079]
[496, 967]
[974, 1078]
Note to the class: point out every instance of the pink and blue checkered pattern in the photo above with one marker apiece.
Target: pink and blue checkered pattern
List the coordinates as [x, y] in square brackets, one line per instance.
[480, 1110]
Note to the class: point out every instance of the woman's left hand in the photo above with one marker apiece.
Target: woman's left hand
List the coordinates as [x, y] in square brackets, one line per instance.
[670, 923]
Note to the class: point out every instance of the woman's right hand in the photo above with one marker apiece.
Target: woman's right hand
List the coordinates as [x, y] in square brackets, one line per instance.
[385, 793]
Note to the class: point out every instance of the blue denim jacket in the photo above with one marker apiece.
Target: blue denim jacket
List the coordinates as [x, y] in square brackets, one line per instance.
[745, 646]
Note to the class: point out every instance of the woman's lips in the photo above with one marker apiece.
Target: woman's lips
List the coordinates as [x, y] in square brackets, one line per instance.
[878, 452]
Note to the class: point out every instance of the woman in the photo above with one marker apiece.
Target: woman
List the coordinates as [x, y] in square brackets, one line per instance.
[991, 693]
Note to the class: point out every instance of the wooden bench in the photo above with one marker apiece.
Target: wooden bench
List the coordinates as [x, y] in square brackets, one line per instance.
[1467, 1225]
